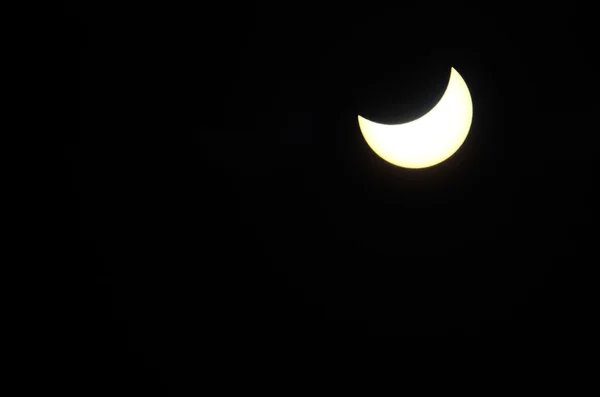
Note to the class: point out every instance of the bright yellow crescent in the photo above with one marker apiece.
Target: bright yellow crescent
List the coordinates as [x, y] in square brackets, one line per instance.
[430, 139]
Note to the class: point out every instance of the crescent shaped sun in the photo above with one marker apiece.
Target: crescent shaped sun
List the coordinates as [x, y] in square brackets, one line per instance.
[430, 139]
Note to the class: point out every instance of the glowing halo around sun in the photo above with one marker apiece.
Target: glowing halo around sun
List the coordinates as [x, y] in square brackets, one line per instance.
[430, 139]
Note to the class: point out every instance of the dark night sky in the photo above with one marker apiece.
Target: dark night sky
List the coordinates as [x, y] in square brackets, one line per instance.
[221, 185]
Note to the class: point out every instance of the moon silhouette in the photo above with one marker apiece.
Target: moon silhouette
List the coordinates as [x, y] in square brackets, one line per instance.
[430, 139]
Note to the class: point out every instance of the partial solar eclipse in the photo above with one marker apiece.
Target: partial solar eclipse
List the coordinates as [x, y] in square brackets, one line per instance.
[430, 139]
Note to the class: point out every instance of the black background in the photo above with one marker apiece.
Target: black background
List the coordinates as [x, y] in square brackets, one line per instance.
[220, 188]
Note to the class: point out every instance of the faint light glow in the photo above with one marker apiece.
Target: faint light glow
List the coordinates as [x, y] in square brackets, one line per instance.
[430, 139]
